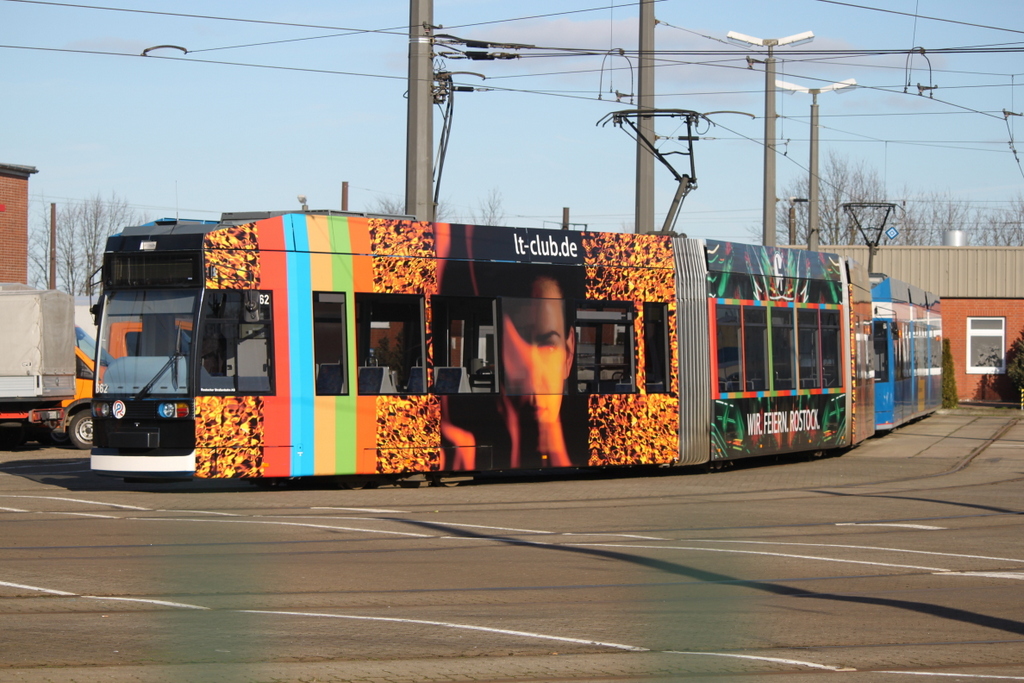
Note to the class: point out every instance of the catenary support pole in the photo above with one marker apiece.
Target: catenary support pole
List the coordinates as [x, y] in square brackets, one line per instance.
[419, 152]
[645, 124]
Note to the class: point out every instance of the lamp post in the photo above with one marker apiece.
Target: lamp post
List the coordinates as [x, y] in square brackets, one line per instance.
[812, 206]
[768, 216]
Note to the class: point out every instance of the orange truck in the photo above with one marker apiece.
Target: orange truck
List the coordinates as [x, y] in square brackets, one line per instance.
[46, 369]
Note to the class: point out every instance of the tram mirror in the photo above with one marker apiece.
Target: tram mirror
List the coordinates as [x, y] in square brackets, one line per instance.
[251, 307]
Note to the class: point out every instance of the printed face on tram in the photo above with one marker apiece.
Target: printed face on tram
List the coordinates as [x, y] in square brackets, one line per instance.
[538, 349]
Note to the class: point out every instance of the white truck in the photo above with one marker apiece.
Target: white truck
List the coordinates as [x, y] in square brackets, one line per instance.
[37, 362]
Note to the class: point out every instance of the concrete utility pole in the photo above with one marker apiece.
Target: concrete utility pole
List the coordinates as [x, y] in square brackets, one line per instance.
[645, 124]
[419, 149]
[768, 208]
[53, 246]
[814, 180]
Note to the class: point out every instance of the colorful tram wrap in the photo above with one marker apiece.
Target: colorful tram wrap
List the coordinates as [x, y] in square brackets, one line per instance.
[907, 339]
[323, 344]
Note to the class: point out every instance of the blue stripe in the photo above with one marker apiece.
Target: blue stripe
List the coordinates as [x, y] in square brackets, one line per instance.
[300, 348]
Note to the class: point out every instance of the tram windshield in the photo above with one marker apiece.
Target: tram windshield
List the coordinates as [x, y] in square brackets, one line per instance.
[145, 342]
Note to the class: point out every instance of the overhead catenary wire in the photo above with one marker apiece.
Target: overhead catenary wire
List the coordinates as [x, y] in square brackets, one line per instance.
[580, 96]
[591, 95]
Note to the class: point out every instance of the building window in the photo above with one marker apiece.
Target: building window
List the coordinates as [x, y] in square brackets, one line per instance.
[986, 346]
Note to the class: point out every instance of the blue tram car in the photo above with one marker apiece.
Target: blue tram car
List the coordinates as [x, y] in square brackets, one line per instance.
[907, 338]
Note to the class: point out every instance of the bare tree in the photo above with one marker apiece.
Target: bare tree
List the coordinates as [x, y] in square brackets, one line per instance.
[491, 209]
[841, 182]
[81, 236]
[1004, 227]
[387, 204]
[926, 219]
[923, 219]
[395, 206]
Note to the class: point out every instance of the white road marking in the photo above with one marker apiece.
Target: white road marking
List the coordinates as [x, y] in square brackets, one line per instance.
[757, 552]
[77, 514]
[12, 509]
[392, 512]
[35, 588]
[496, 528]
[77, 500]
[258, 521]
[922, 526]
[445, 624]
[1019, 576]
[777, 660]
[861, 547]
[202, 512]
[932, 673]
[642, 538]
[164, 603]
[346, 517]
[38, 465]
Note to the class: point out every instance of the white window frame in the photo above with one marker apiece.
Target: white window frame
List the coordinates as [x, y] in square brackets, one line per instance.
[972, 333]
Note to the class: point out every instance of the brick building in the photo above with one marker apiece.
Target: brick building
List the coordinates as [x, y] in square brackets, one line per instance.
[14, 222]
[982, 293]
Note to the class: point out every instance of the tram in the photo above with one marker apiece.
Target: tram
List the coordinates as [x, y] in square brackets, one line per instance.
[282, 345]
[907, 341]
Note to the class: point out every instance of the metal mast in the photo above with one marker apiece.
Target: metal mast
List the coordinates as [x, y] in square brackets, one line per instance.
[419, 149]
[645, 124]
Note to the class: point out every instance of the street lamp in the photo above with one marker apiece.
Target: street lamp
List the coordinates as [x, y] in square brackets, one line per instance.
[768, 218]
[812, 206]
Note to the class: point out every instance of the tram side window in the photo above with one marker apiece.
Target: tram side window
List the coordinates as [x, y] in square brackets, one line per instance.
[727, 323]
[235, 343]
[656, 345]
[604, 349]
[463, 344]
[330, 343]
[755, 348]
[831, 349]
[783, 378]
[880, 339]
[936, 347]
[901, 346]
[808, 348]
[389, 343]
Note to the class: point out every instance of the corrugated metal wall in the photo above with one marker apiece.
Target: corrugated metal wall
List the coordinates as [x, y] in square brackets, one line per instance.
[694, 351]
[954, 272]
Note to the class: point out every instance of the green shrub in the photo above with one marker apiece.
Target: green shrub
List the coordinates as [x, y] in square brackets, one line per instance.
[1015, 366]
[949, 395]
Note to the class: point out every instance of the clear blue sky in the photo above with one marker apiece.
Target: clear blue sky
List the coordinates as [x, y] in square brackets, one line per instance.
[257, 112]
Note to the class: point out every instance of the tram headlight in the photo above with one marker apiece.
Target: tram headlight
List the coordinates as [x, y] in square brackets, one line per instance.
[173, 409]
[100, 409]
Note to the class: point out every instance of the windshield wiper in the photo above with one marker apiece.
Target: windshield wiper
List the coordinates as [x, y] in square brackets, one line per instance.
[171, 363]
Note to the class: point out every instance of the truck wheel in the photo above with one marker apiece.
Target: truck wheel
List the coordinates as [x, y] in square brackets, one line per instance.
[80, 430]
